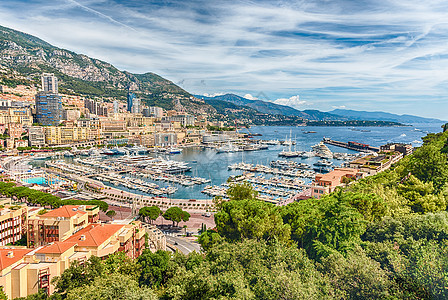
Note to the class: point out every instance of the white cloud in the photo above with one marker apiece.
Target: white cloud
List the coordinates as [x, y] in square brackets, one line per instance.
[250, 97]
[339, 107]
[293, 102]
[332, 52]
[213, 95]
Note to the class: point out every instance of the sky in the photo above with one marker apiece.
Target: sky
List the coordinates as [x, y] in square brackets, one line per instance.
[355, 54]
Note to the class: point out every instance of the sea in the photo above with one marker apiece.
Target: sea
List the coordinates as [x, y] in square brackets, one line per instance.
[214, 166]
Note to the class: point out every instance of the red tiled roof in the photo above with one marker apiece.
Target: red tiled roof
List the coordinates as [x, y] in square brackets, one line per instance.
[66, 211]
[94, 234]
[17, 254]
[56, 248]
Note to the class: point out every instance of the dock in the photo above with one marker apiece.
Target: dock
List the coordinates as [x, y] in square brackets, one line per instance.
[352, 145]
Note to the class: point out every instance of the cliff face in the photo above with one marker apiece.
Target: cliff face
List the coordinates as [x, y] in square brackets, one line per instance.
[79, 74]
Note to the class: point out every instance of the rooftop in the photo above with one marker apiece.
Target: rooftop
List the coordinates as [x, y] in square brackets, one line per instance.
[66, 211]
[56, 248]
[9, 256]
[94, 235]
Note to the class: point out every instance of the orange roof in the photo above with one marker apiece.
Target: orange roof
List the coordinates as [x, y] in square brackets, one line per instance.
[17, 254]
[336, 175]
[66, 211]
[94, 235]
[56, 248]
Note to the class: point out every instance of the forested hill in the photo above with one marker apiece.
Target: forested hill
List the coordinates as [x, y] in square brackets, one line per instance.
[24, 54]
[384, 237]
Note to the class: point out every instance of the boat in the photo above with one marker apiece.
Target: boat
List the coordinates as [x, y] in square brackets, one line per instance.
[306, 132]
[68, 154]
[108, 152]
[323, 163]
[228, 148]
[174, 150]
[321, 150]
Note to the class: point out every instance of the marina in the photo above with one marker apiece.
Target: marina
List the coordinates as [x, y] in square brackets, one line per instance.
[186, 175]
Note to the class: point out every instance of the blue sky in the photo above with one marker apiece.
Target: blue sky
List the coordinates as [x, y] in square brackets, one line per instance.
[364, 55]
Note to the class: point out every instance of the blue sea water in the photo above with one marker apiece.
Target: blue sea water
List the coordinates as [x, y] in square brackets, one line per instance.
[214, 166]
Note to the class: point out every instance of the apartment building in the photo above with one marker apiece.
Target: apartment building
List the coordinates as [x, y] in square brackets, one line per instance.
[56, 135]
[36, 136]
[12, 222]
[59, 224]
[17, 115]
[105, 239]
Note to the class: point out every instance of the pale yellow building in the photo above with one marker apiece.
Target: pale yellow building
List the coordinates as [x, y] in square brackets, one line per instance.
[56, 135]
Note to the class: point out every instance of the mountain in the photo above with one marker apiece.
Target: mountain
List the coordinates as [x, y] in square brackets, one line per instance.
[28, 56]
[275, 109]
[382, 116]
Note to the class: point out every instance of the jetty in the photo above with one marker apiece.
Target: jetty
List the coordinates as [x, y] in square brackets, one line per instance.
[352, 145]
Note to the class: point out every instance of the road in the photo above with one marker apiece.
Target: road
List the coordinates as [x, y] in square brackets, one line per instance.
[185, 246]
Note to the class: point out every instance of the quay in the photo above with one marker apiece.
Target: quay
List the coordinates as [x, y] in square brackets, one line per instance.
[351, 145]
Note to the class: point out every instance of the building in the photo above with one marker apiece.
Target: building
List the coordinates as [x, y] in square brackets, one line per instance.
[48, 102]
[136, 106]
[405, 149]
[48, 109]
[12, 222]
[116, 107]
[95, 107]
[56, 135]
[184, 119]
[165, 139]
[49, 83]
[17, 115]
[71, 114]
[105, 239]
[156, 112]
[327, 183]
[59, 224]
[60, 237]
[374, 164]
[14, 130]
[36, 136]
[130, 101]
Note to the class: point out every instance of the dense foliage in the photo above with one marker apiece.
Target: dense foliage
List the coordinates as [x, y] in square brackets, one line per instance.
[384, 237]
[36, 197]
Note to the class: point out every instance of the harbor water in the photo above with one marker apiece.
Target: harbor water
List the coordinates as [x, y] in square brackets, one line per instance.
[209, 164]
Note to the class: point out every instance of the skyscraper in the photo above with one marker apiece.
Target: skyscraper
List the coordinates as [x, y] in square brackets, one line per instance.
[135, 106]
[49, 83]
[48, 102]
[130, 101]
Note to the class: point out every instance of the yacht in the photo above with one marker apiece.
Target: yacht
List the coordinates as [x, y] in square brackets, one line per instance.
[227, 148]
[321, 150]
[174, 150]
[323, 163]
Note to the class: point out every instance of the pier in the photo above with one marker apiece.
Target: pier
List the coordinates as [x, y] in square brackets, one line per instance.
[352, 145]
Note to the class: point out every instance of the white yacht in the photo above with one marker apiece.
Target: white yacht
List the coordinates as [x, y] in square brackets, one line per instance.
[321, 150]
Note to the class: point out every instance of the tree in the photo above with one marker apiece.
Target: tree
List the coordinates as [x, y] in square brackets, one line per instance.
[429, 164]
[252, 219]
[250, 270]
[78, 275]
[153, 268]
[115, 286]
[175, 214]
[152, 212]
[357, 275]
[241, 191]
[208, 239]
[111, 213]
